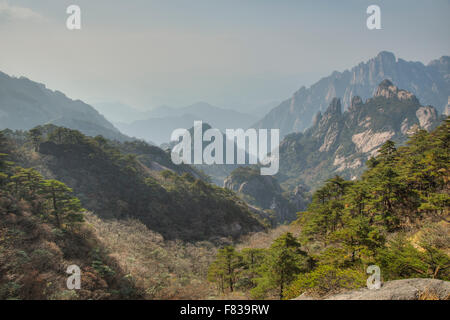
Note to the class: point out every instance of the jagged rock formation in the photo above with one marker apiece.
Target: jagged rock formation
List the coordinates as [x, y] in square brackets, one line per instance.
[341, 142]
[266, 193]
[25, 104]
[406, 289]
[261, 191]
[430, 83]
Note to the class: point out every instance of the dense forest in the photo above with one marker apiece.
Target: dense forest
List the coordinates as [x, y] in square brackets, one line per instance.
[396, 216]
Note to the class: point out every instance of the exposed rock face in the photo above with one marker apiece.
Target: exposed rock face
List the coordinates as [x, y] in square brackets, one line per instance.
[367, 141]
[430, 84]
[447, 108]
[427, 116]
[263, 192]
[407, 289]
[300, 198]
[340, 143]
[388, 90]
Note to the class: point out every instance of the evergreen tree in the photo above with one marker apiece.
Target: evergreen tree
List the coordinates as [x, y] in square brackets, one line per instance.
[284, 261]
[224, 270]
[62, 202]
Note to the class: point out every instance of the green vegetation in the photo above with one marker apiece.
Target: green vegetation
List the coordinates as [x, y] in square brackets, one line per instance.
[282, 263]
[395, 216]
[134, 244]
[42, 232]
[327, 148]
[132, 179]
[224, 269]
[264, 192]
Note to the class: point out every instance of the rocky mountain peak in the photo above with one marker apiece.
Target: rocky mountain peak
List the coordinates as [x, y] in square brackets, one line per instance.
[429, 83]
[356, 102]
[352, 137]
[334, 107]
[442, 64]
[388, 90]
[317, 118]
[386, 57]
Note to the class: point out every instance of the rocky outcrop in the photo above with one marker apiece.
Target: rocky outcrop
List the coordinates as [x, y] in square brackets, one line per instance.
[429, 83]
[341, 142]
[300, 198]
[263, 192]
[427, 117]
[388, 90]
[447, 108]
[407, 289]
[367, 141]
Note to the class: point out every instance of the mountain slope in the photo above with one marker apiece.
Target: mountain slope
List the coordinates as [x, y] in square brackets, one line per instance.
[216, 172]
[25, 104]
[42, 233]
[395, 217]
[126, 180]
[430, 83]
[341, 142]
[265, 193]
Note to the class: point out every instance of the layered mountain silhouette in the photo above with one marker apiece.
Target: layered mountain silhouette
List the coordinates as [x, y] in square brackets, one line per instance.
[216, 172]
[25, 104]
[341, 142]
[430, 83]
[157, 125]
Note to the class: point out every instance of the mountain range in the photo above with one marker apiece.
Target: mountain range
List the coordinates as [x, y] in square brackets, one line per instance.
[25, 104]
[157, 124]
[430, 83]
[340, 142]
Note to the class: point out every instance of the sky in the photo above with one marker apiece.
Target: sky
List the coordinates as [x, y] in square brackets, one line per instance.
[232, 54]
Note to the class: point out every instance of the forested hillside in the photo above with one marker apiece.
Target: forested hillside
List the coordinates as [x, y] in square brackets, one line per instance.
[42, 232]
[124, 180]
[395, 216]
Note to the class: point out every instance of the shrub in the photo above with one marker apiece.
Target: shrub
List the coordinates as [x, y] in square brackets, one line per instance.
[326, 279]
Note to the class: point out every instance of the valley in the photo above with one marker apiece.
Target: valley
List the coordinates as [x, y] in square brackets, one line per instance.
[363, 180]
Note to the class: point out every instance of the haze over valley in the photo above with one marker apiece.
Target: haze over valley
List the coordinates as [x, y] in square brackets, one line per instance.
[217, 150]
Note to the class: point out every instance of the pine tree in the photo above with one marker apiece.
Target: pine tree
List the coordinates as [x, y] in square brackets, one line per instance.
[62, 202]
[225, 268]
[283, 263]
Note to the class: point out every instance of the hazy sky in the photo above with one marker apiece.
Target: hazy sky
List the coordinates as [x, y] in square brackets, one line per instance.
[229, 53]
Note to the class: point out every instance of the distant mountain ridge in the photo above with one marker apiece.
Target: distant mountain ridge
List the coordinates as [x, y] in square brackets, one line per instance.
[341, 142]
[160, 122]
[25, 104]
[430, 83]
